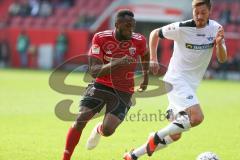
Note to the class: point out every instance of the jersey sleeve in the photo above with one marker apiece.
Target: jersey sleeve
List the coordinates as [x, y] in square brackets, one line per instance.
[170, 31]
[96, 50]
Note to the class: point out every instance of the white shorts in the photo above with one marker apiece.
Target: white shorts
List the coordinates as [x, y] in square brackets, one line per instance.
[181, 97]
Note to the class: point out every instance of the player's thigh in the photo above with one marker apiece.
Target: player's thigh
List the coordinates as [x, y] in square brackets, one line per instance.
[90, 104]
[116, 114]
[97, 95]
[113, 119]
[85, 114]
[181, 97]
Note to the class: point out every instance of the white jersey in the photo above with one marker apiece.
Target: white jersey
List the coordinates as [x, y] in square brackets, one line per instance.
[193, 49]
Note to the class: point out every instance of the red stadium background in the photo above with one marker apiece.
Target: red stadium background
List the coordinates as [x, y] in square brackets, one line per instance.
[99, 16]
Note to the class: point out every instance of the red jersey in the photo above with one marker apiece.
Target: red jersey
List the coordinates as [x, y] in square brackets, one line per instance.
[105, 46]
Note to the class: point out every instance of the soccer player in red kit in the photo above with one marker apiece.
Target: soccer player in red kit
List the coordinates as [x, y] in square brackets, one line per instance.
[113, 57]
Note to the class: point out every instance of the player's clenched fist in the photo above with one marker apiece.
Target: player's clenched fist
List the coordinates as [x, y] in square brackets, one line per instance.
[127, 60]
[219, 36]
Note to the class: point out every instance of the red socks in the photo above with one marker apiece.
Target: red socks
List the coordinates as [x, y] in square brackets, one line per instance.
[72, 140]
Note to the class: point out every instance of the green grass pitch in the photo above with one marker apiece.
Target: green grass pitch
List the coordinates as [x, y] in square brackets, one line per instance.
[30, 130]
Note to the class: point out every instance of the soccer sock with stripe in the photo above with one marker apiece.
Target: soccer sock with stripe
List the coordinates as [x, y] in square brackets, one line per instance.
[72, 140]
[142, 149]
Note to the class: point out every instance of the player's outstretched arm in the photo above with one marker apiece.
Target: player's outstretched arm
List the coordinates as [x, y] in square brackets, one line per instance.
[98, 69]
[153, 44]
[220, 46]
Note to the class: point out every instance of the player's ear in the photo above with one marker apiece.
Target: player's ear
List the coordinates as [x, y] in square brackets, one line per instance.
[116, 25]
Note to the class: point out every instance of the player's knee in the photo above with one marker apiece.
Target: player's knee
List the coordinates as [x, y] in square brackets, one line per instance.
[196, 115]
[196, 120]
[176, 137]
[83, 118]
[107, 131]
[79, 125]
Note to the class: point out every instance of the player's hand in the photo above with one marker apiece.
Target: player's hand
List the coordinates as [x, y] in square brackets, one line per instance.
[154, 67]
[219, 36]
[143, 86]
[127, 60]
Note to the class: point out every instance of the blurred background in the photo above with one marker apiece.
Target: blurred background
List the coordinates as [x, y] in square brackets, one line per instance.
[41, 34]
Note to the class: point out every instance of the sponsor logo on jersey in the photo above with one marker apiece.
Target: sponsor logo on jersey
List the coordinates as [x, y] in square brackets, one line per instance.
[199, 47]
[210, 38]
[95, 49]
[171, 27]
[132, 51]
[108, 52]
[201, 35]
[190, 97]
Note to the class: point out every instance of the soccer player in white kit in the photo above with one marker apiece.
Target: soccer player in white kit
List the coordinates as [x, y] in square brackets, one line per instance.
[194, 41]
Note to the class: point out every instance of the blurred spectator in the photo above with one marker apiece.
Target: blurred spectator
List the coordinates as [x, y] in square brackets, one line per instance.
[238, 18]
[35, 6]
[91, 17]
[85, 20]
[62, 3]
[45, 9]
[224, 70]
[25, 9]
[236, 61]
[225, 16]
[4, 53]
[14, 8]
[217, 69]
[61, 47]
[81, 21]
[22, 47]
[4, 21]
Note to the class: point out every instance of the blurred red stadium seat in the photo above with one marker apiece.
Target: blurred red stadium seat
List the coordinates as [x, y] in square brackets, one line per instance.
[28, 22]
[238, 30]
[230, 28]
[39, 22]
[62, 22]
[60, 12]
[51, 22]
[235, 6]
[16, 21]
[73, 12]
[232, 46]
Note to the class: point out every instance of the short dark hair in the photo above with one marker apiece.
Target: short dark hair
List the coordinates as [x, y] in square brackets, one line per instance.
[124, 12]
[202, 2]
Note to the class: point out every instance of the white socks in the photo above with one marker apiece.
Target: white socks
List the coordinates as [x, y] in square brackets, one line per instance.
[142, 149]
[179, 125]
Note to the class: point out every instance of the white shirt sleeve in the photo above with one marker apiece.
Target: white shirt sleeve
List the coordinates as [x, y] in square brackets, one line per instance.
[171, 31]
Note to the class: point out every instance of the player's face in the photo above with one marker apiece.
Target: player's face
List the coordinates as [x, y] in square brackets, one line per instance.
[201, 15]
[125, 27]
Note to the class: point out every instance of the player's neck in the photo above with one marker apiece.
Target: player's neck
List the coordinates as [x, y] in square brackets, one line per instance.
[202, 26]
[119, 37]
